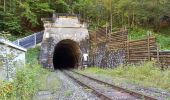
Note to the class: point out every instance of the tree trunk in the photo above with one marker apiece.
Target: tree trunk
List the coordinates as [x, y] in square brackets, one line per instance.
[133, 20]
[4, 6]
[111, 20]
[128, 20]
[10, 5]
[157, 18]
[106, 31]
[122, 19]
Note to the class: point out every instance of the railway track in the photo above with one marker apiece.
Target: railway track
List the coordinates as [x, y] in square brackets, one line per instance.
[104, 90]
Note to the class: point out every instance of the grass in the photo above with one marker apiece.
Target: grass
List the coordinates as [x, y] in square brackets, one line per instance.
[29, 80]
[49, 81]
[146, 74]
[32, 55]
[137, 33]
[163, 37]
[52, 82]
[26, 83]
[164, 41]
[68, 93]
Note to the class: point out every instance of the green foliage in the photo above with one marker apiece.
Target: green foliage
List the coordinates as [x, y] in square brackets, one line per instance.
[137, 33]
[61, 6]
[32, 10]
[9, 23]
[32, 55]
[68, 93]
[13, 26]
[17, 15]
[1, 21]
[146, 74]
[124, 12]
[164, 41]
[52, 82]
[26, 83]
[163, 37]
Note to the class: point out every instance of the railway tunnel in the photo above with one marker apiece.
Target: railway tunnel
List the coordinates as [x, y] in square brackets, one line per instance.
[63, 41]
[66, 54]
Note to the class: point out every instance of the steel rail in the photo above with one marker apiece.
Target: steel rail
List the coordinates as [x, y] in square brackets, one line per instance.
[96, 92]
[135, 94]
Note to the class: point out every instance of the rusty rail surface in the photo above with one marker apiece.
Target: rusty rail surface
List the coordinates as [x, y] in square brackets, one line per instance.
[132, 93]
[96, 92]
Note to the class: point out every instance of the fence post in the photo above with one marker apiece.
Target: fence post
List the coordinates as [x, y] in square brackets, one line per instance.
[128, 53]
[93, 59]
[106, 32]
[149, 52]
[18, 42]
[35, 39]
[95, 35]
[158, 54]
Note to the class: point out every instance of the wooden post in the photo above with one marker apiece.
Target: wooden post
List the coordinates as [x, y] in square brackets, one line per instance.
[128, 53]
[111, 21]
[35, 41]
[149, 52]
[158, 54]
[109, 35]
[4, 6]
[106, 32]
[93, 60]
[95, 42]
[95, 35]
[18, 42]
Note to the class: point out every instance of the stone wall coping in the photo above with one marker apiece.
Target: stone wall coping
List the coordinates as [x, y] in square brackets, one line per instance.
[10, 44]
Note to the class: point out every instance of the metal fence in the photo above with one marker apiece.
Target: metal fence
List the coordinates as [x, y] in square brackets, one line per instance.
[30, 41]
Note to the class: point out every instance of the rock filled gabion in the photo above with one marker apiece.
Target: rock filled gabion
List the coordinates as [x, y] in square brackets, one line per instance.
[105, 58]
[116, 58]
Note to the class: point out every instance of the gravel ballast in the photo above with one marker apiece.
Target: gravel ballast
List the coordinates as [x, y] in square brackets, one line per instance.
[160, 94]
[66, 90]
[69, 90]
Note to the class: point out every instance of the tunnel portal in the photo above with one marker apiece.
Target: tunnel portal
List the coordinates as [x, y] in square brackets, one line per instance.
[66, 54]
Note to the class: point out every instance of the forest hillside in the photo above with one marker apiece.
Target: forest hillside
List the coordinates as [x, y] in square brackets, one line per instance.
[23, 17]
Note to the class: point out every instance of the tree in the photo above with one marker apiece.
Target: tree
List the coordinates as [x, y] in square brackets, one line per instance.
[16, 16]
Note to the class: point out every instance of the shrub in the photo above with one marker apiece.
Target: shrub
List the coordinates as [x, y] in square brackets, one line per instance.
[162, 37]
[32, 55]
[25, 85]
[147, 74]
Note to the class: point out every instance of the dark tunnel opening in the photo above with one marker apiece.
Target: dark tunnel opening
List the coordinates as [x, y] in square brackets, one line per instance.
[66, 55]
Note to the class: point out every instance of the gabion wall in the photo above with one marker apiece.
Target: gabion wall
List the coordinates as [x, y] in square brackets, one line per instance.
[106, 58]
